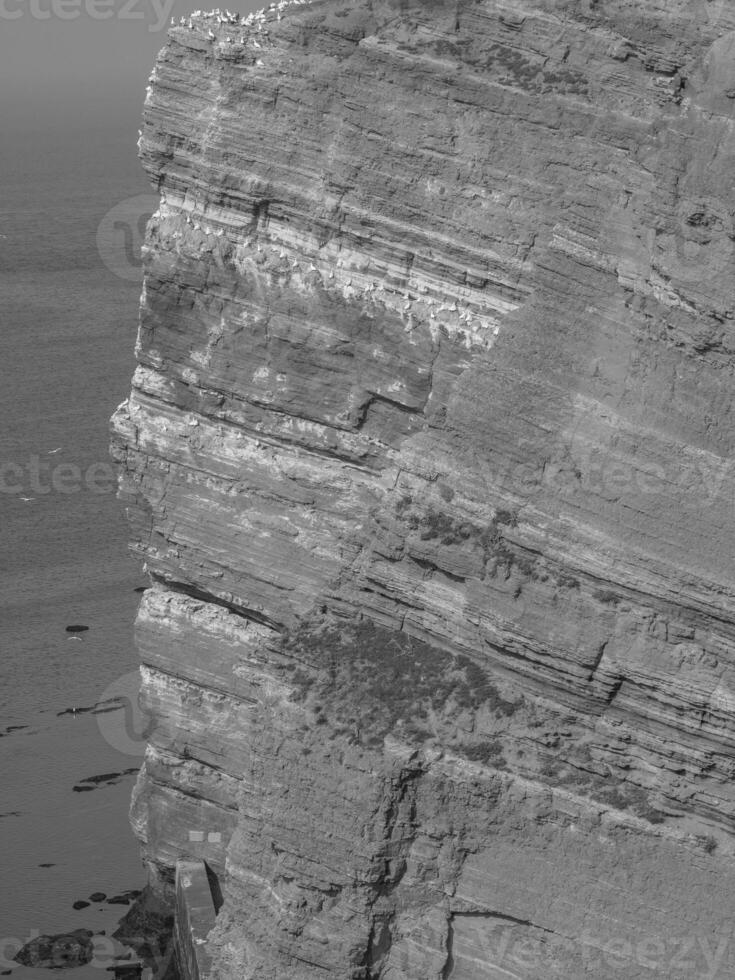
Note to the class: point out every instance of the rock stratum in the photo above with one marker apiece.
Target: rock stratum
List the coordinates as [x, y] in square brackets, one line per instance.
[429, 455]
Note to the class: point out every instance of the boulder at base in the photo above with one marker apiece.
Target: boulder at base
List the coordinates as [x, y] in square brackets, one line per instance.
[66, 949]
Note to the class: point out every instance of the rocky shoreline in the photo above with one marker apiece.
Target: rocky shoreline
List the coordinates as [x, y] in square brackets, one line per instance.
[142, 941]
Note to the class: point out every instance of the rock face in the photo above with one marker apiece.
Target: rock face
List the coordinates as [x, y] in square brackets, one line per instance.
[429, 457]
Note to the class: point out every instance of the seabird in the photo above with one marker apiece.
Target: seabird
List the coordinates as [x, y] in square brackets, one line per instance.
[52, 451]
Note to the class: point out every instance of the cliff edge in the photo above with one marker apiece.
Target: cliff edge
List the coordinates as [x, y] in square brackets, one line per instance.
[429, 457]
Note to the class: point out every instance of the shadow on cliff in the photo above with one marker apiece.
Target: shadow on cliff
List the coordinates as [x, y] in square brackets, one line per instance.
[148, 929]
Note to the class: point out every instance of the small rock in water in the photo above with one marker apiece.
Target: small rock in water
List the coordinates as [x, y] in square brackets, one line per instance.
[97, 897]
[118, 900]
[82, 789]
[104, 777]
[80, 904]
[47, 864]
[60, 951]
[77, 628]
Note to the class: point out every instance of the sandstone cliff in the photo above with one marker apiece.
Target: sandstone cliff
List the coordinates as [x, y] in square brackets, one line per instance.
[429, 457]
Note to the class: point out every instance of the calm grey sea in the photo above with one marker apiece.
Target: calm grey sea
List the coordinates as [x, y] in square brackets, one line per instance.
[67, 331]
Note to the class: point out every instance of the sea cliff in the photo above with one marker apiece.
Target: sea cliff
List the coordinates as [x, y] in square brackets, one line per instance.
[429, 457]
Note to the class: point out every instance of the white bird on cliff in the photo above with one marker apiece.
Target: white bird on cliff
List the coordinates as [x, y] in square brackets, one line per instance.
[210, 35]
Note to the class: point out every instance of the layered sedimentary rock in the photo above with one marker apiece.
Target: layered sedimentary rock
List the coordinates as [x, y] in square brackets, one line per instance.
[429, 457]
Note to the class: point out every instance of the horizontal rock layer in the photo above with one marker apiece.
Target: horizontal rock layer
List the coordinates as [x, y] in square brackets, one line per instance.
[428, 455]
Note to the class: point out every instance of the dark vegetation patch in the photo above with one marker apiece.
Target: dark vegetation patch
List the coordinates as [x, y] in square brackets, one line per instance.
[607, 790]
[489, 751]
[607, 597]
[367, 681]
[499, 555]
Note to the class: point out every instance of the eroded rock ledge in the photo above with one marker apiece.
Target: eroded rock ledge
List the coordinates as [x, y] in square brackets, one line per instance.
[428, 455]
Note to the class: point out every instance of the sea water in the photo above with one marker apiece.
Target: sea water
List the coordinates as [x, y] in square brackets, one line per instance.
[69, 293]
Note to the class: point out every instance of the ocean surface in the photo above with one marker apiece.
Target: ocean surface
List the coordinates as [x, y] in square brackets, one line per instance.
[73, 201]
